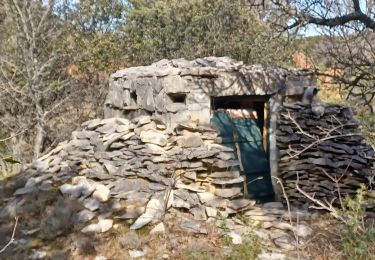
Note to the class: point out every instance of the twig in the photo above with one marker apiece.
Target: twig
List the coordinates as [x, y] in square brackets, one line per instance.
[319, 141]
[289, 211]
[12, 238]
[326, 206]
[12, 136]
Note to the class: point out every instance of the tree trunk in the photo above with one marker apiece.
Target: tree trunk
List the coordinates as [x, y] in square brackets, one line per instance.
[40, 133]
[39, 139]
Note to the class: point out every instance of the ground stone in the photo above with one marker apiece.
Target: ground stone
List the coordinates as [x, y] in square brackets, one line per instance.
[101, 193]
[158, 229]
[102, 226]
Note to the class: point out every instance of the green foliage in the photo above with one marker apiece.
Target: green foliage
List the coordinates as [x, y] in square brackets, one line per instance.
[357, 236]
[173, 29]
[247, 250]
[358, 245]
[368, 122]
[95, 41]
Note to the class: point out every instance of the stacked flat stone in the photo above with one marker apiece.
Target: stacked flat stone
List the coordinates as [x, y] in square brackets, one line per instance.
[141, 169]
[180, 90]
[320, 145]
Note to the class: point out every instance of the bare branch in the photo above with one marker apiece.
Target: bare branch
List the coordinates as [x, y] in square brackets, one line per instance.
[12, 237]
[12, 136]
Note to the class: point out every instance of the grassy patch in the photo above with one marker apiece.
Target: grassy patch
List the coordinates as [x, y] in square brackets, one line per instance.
[250, 249]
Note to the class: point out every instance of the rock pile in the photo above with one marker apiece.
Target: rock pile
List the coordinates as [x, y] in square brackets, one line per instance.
[323, 151]
[137, 169]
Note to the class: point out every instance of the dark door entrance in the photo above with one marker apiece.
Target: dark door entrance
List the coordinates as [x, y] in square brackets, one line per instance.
[242, 124]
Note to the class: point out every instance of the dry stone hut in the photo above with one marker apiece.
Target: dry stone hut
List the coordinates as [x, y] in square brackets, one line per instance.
[248, 107]
[191, 141]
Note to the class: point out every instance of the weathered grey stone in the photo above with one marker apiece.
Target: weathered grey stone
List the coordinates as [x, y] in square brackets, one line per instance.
[175, 107]
[154, 137]
[303, 230]
[83, 216]
[191, 187]
[199, 213]
[126, 185]
[241, 203]
[158, 229]
[193, 226]
[92, 124]
[101, 193]
[132, 213]
[225, 164]
[156, 186]
[46, 185]
[186, 164]
[40, 165]
[218, 203]
[184, 199]
[228, 192]
[226, 181]
[111, 169]
[76, 191]
[285, 242]
[91, 204]
[154, 149]
[191, 175]
[145, 127]
[225, 174]
[25, 190]
[102, 226]
[205, 196]
[211, 212]
[141, 120]
[108, 128]
[174, 84]
[273, 205]
[191, 140]
[154, 211]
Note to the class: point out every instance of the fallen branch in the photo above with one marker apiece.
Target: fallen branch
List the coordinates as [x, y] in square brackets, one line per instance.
[327, 206]
[12, 238]
[289, 213]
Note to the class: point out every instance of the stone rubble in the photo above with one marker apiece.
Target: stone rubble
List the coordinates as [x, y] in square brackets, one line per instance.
[114, 171]
[143, 169]
[340, 153]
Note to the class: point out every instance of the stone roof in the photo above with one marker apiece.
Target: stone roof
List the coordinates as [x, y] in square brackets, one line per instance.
[208, 66]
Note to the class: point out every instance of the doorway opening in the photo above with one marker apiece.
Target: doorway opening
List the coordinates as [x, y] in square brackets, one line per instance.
[243, 124]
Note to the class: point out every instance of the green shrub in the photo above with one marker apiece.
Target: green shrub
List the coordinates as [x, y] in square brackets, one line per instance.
[357, 236]
[250, 249]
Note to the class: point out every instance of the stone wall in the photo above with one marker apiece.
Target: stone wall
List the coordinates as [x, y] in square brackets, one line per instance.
[135, 171]
[322, 150]
[181, 90]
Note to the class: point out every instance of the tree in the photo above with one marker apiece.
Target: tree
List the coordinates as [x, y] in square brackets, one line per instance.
[173, 29]
[54, 60]
[349, 45]
[329, 13]
[95, 38]
[30, 67]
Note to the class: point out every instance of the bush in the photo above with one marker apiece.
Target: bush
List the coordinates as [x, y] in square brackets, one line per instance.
[357, 236]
